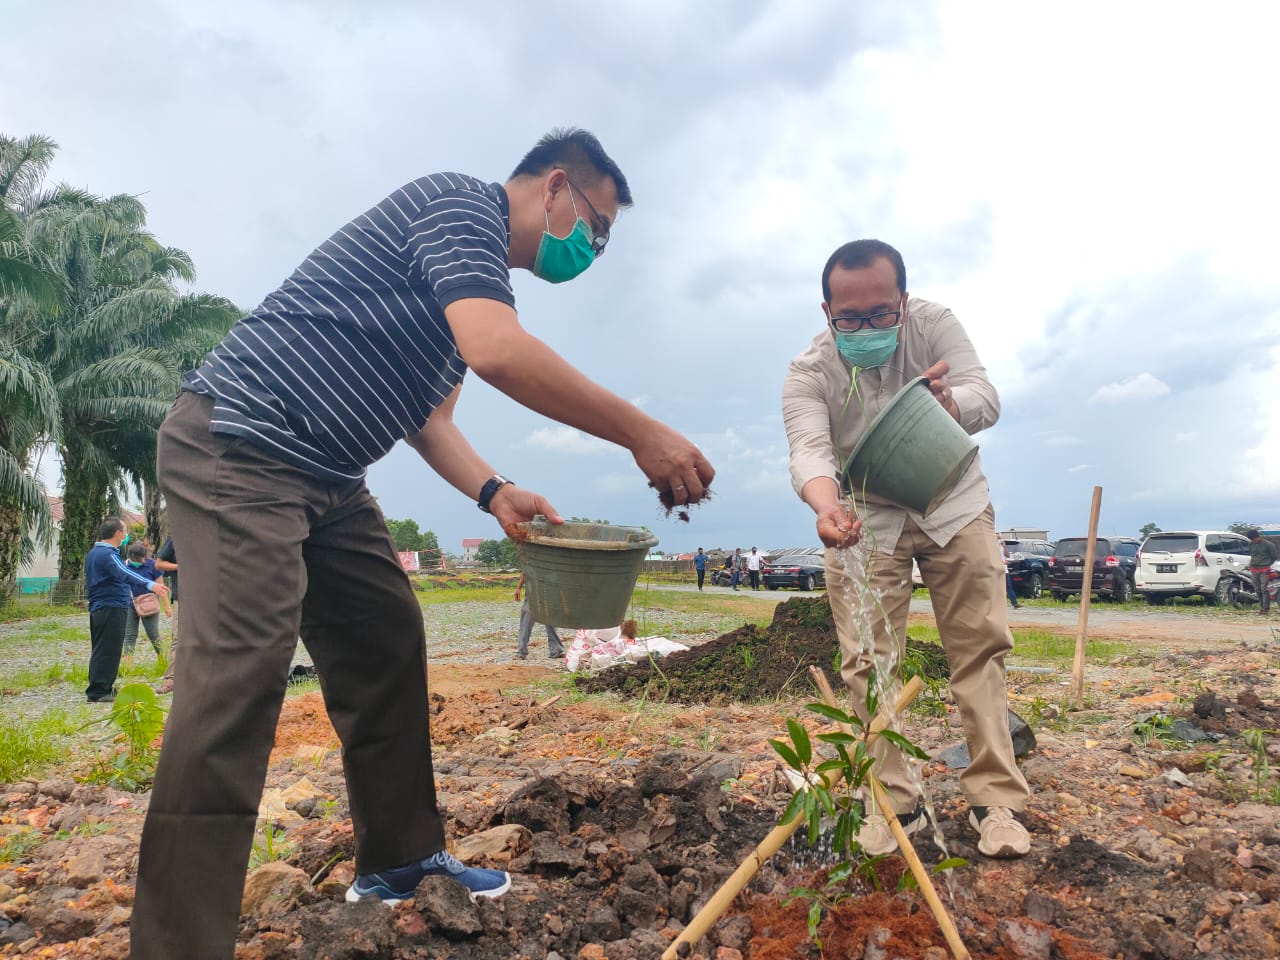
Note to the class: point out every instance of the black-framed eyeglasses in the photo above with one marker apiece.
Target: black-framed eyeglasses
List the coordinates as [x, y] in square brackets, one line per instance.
[877, 321]
[598, 240]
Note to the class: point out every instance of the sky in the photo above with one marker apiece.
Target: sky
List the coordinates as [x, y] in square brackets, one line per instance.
[1091, 188]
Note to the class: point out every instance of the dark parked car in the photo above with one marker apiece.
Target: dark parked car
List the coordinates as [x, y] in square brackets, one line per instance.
[801, 572]
[1115, 560]
[1029, 565]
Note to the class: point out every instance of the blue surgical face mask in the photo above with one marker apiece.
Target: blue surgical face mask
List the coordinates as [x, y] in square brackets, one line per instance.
[867, 348]
[135, 563]
[562, 258]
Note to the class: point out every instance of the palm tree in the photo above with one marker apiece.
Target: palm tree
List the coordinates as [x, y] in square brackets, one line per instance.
[116, 353]
[91, 355]
[28, 400]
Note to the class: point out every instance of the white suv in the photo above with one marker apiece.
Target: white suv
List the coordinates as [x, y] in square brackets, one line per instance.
[1189, 563]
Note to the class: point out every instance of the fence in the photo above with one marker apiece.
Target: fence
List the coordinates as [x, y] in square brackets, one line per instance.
[50, 589]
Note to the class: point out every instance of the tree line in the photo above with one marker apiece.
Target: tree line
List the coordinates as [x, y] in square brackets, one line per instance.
[97, 329]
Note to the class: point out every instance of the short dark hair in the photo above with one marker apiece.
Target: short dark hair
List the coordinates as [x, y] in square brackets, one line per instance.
[579, 154]
[863, 253]
[110, 527]
[138, 550]
[1254, 533]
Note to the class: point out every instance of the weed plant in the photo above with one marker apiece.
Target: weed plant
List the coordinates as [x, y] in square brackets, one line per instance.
[130, 762]
[269, 846]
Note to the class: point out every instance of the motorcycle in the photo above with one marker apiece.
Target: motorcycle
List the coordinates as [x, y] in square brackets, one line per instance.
[1239, 586]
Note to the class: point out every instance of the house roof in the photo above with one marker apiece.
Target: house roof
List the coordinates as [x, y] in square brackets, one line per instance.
[128, 516]
[472, 542]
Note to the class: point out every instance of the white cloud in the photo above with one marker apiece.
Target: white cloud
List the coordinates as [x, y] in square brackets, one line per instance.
[1142, 387]
[566, 440]
[1062, 440]
[1078, 467]
[1187, 436]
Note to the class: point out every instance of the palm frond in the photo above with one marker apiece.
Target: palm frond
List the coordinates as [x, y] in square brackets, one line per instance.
[26, 389]
[118, 410]
[19, 486]
[23, 164]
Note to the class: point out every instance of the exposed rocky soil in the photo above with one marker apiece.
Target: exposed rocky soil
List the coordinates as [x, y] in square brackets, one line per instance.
[619, 818]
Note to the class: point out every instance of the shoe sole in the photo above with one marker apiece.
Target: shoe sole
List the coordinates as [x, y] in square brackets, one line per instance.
[353, 897]
[1005, 852]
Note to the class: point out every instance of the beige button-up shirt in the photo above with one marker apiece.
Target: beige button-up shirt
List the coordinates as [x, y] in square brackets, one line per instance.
[825, 413]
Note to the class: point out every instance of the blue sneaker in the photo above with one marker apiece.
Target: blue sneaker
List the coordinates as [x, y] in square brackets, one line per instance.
[399, 883]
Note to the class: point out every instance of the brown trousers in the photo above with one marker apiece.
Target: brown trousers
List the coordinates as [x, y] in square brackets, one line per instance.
[966, 585]
[269, 553]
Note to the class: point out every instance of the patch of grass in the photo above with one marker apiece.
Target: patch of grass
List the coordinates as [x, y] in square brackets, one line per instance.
[297, 688]
[29, 747]
[75, 673]
[1043, 645]
[431, 596]
[36, 609]
[18, 846]
[734, 611]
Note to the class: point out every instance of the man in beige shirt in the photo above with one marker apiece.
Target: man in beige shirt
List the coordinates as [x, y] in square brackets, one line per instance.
[877, 339]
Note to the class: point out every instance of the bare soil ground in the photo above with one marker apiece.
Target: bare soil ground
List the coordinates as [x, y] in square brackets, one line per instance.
[620, 815]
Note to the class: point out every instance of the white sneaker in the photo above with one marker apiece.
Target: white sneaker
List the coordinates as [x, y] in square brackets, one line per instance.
[1000, 835]
[875, 837]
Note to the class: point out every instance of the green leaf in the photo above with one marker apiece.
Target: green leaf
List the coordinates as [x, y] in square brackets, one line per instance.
[847, 739]
[834, 714]
[905, 745]
[787, 754]
[815, 920]
[840, 873]
[951, 863]
[793, 808]
[800, 737]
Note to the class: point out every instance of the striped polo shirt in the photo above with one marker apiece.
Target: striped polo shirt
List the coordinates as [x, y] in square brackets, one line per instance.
[353, 352]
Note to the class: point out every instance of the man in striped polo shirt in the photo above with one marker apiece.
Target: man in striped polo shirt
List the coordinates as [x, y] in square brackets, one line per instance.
[262, 461]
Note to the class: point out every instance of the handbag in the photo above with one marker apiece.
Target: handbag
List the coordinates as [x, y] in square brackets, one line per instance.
[146, 604]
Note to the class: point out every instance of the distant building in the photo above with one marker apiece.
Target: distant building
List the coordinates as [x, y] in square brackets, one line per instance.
[469, 548]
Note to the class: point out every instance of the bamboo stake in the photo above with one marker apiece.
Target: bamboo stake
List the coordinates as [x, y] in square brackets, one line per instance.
[1086, 595]
[923, 880]
[719, 902]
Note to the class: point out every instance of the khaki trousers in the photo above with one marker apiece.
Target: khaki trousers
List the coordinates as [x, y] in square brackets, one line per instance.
[270, 553]
[966, 584]
[173, 642]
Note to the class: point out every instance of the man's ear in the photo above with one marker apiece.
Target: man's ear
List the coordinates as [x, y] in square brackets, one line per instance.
[555, 181]
[826, 311]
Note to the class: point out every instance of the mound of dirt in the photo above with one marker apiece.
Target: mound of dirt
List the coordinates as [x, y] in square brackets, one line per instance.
[750, 664]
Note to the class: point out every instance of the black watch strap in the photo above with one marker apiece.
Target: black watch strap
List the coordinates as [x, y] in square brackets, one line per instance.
[491, 486]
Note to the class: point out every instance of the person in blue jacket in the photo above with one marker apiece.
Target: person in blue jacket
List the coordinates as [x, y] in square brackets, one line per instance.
[107, 581]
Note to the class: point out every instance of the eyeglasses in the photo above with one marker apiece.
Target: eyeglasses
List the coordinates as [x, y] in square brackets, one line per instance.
[877, 321]
[598, 240]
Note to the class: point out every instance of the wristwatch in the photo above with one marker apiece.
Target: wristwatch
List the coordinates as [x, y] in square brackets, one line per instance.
[491, 486]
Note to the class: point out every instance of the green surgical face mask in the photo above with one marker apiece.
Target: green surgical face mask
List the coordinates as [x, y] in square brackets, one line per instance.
[562, 258]
[125, 542]
[867, 348]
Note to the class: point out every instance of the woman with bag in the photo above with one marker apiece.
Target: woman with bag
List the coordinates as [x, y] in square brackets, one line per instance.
[146, 605]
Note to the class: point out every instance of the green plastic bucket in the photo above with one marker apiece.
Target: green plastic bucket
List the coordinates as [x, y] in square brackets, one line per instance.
[913, 454]
[581, 574]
